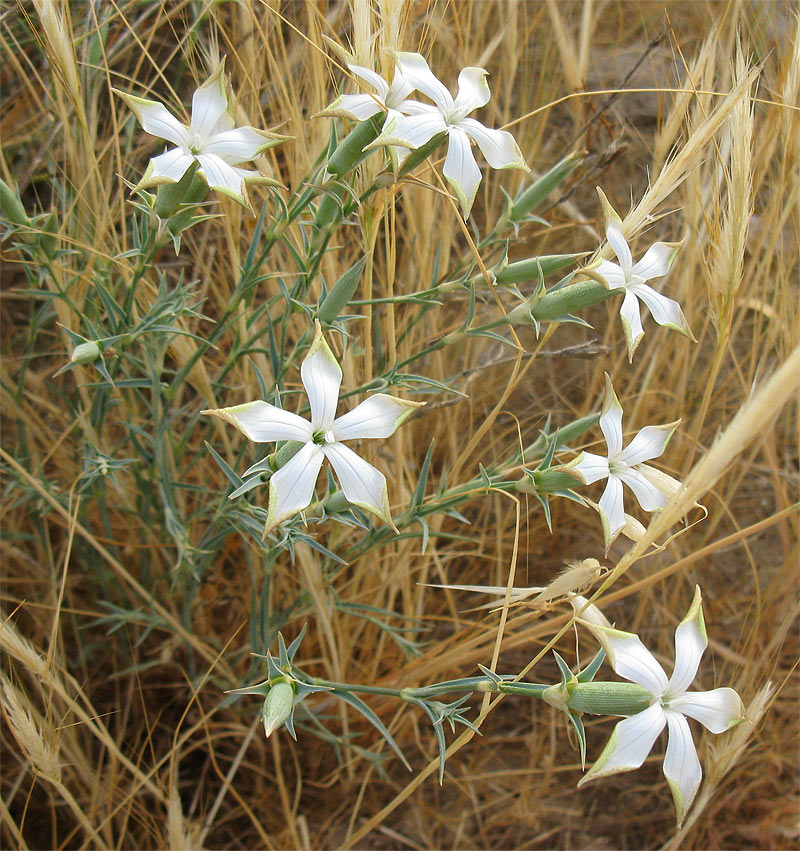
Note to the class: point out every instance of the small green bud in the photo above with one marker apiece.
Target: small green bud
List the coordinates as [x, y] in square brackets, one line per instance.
[86, 353]
[341, 292]
[47, 238]
[528, 270]
[531, 197]
[277, 707]
[11, 206]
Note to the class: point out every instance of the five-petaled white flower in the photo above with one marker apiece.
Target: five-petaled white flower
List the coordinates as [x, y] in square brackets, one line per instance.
[423, 121]
[291, 487]
[632, 277]
[211, 140]
[630, 743]
[651, 487]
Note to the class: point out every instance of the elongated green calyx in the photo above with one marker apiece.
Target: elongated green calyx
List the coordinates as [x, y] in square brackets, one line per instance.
[418, 155]
[552, 480]
[531, 197]
[341, 292]
[277, 707]
[171, 196]
[351, 151]
[284, 454]
[604, 698]
[569, 299]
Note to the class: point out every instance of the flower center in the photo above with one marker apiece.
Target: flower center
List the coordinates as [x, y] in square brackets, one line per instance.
[323, 437]
[616, 467]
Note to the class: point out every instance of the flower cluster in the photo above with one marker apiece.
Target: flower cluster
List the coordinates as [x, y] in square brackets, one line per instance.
[410, 124]
[214, 147]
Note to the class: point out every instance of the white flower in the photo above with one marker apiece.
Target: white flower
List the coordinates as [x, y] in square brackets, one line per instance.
[627, 465]
[211, 140]
[671, 705]
[387, 98]
[423, 121]
[291, 488]
[632, 278]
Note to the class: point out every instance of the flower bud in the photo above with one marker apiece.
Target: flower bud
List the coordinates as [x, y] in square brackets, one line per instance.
[277, 707]
[531, 197]
[86, 353]
[340, 293]
[11, 207]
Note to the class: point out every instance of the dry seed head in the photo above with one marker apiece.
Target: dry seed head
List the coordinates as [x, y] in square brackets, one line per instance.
[726, 273]
[26, 727]
[21, 649]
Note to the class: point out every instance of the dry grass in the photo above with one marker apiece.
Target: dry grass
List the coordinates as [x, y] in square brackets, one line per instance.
[115, 655]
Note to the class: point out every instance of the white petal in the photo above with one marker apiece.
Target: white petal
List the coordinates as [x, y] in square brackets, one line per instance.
[360, 107]
[461, 170]
[363, 484]
[717, 710]
[238, 145]
[322, 377]
[401, 88]
[209, 103]
[681, 765]
[612, 509]
[586, 611]
[647, 494]
[649, 443]
[221, 176]
[473, 92]
[620, 245]
[169, 167]
[413, 131]
[415, 107]
[157, 120]
[611, 420]
[664, 310]
[498, 146]
[632, 660]
[248, 175]
[262, 422]
[291, 488]
[613, 274]
[656, 261]
[592, 467]
[378, 416]
[690, 644]
[374, 79]
[419, 75]
[630, 743]
[631, 322]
